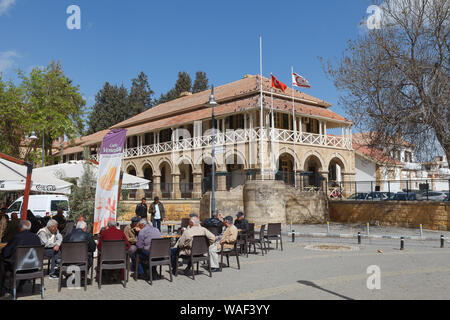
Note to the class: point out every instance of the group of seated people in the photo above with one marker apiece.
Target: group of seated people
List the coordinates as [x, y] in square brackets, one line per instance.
[137, 236]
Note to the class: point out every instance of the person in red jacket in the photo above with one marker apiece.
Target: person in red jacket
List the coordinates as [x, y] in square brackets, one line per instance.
[112, 233]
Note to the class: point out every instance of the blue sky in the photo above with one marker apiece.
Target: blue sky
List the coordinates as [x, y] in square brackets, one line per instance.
[118, 39]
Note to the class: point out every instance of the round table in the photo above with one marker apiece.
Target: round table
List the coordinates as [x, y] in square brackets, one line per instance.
[170, 225]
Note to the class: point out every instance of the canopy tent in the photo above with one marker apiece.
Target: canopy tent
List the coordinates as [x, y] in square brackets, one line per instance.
[75, 170]
[13, 178]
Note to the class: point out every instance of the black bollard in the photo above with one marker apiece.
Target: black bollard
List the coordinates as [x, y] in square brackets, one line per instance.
[442, 241]
[402, 243]
[293, 235]
[359, 237]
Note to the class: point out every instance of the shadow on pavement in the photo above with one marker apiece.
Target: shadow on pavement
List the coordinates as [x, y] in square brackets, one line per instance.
[313, 285]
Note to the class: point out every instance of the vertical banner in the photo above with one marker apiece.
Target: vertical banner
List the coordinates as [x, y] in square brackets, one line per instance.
[106, 197]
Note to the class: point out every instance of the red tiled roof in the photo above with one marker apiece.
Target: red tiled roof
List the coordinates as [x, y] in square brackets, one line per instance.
[229, 91]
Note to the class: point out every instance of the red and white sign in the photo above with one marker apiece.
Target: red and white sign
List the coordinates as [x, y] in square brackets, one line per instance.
[299, 81]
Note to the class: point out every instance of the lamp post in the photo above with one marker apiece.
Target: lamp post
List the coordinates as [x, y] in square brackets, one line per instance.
[212, 103]
[34, 137]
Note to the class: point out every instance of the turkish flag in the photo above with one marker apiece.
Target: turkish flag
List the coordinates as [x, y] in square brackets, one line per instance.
[278, 84]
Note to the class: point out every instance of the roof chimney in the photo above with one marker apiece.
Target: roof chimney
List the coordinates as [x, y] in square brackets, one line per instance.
[185, 94]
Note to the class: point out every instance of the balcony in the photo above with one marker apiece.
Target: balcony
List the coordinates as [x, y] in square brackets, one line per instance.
[241, 136]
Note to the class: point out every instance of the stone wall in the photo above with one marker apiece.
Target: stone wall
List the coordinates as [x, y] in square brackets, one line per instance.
[228, 202]
[175, 209]
[432, 215]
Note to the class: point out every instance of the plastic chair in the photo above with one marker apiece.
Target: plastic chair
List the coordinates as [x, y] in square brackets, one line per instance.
[228, 253]
[260, 240]
[113, 256]
[199, 252]
[74, 254]
[160, 256]
[274, 233]
[184, 224]
[28, 265]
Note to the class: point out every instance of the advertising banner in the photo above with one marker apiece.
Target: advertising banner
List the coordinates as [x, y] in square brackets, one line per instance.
[106, 197]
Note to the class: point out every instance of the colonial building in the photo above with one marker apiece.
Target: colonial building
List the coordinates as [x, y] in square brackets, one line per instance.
[171, 144]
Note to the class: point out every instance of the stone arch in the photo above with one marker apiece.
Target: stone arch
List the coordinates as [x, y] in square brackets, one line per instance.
[293, 154]
[336, 167]
[131, 168]
[239, 155]
[162, 161]
[148, 163]
[341, 161]
[315, 155]
[313, 167]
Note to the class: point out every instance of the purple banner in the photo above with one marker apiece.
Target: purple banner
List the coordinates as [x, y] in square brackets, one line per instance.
[114, 142]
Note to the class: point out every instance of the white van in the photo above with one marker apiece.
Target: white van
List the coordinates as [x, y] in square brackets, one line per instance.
[42, 205]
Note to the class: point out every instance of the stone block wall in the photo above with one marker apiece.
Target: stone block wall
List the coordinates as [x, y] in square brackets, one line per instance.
[432, 215]
[175, 209]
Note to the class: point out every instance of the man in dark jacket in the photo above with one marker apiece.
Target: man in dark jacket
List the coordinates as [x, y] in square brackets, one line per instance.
[215, 222]
[141, 209]
[11, 229]
[80, 235]
[23, 238]
[241, 223]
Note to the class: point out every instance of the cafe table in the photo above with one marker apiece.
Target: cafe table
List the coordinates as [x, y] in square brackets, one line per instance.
[170, 226]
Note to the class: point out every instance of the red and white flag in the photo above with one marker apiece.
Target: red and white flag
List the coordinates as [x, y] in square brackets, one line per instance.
[278, 84]
[299, 81]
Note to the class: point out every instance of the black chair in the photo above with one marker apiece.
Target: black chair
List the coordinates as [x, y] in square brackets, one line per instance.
[242, 242]
[274, 233]
[160, 256]
[199, 252]
[228, 253]
[74, 254]
[260, 240]
[250, 235]
[28, 265]
[113, 256]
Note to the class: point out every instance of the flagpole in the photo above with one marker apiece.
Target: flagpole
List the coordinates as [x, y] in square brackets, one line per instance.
[272, 133]
[261, 119]
[294, 129]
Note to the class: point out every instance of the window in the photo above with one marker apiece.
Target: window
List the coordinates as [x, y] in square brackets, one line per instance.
[15, 207]
[165, 135]
[59, 204]
[148, 139]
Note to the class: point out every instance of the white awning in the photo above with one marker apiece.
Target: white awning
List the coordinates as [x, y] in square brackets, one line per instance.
[75, 170]
[13, 178]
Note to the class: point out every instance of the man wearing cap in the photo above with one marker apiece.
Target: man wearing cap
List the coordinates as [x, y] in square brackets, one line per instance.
[131, 232]
[157, 213]
[240, 223]
[228, 239]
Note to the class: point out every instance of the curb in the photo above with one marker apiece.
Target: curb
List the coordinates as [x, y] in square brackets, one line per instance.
[364, 236]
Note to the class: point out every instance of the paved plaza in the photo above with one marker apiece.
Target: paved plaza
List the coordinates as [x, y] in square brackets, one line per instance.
[421, 271]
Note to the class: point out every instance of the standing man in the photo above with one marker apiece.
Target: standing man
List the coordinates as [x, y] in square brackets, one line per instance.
[141, 209]
[3, 222]
[157, 213]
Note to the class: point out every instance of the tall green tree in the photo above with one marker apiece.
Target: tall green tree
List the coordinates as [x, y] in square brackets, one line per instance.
[111, 107]
[47, 103]
[200, 83]
[183, 84]
[140, 98]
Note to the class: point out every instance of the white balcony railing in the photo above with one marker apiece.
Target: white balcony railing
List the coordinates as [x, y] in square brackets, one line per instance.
[241, 136]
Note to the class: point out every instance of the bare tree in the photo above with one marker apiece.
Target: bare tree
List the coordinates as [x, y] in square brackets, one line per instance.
[395, 79]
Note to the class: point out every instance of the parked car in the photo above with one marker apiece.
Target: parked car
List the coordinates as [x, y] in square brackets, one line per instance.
[42, 205]
[403, 196]
[358, 196]
[378, 196]
[435, 195]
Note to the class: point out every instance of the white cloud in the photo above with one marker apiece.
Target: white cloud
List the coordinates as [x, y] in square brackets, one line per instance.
[7, 60]
[5, 5]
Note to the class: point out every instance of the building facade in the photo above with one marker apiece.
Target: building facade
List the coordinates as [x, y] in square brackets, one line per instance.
[171, 144]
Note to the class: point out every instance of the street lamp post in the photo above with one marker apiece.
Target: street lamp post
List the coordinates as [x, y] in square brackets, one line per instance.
[212, 103]
[34, 137]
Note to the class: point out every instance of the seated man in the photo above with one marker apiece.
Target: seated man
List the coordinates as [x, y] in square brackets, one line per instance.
[216, 222]
[51, 239]
[146, 234]
[132, 231]
[23, 238]
[112, 233]
[12, 228]
[79, 234]
[228, 239]
[184, 244]
[240, 223]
